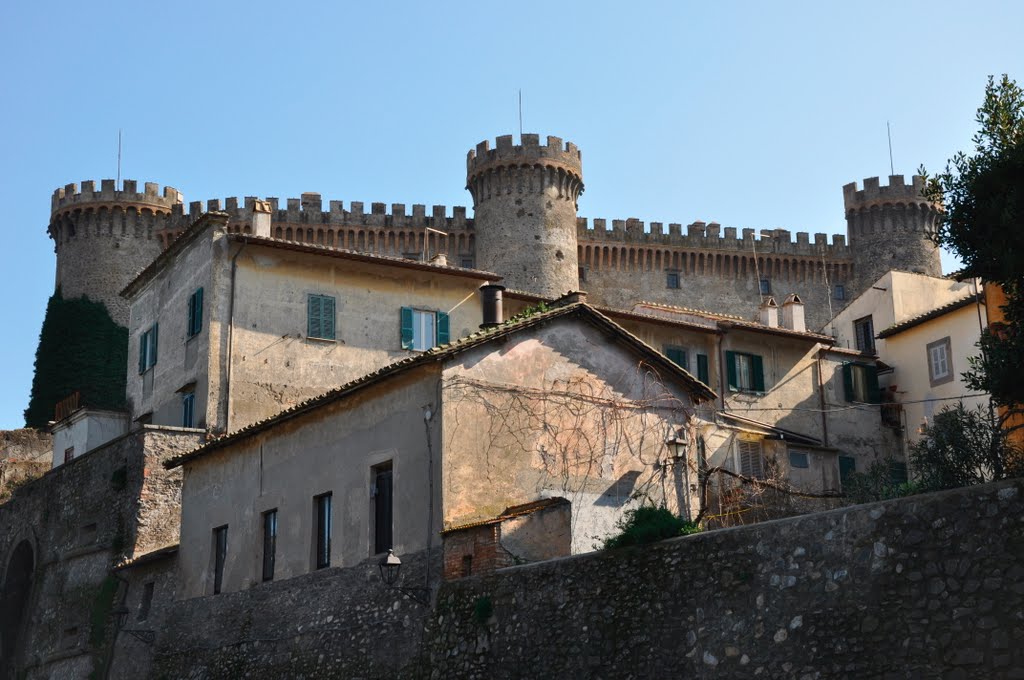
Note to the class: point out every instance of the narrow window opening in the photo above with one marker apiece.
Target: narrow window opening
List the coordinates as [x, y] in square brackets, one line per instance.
[322, 509]
[220, 555]
[383, 507]
[269, 543]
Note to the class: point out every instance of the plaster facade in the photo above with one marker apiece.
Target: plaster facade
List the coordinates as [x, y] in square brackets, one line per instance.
[83, 431]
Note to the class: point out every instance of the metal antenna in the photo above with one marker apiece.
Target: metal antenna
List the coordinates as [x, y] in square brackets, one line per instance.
[888, 131]
[118, 184]
[520, 114]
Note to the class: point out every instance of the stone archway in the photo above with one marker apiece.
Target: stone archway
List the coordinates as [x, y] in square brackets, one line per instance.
[13, 600]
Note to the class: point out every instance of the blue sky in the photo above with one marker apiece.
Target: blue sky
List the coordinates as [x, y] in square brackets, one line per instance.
[750, 114]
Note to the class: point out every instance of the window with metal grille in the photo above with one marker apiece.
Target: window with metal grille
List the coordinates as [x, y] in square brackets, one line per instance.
[864, 334]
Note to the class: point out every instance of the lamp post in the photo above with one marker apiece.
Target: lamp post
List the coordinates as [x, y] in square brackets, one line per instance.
[120, 616]
[390, 567]
[678, 446]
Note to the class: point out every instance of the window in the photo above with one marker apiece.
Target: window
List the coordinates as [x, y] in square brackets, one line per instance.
[671, 279]
[702, 369]
[220, 555]
[69, 454]
[322, 509]
[678, 356]
[269, 543]
[799, 459]
[320, 317]
[766, 287]
[940, 368]
[898, 473]
[745, 372]
[422, 329]
[467, 263]
[188, 407]
[148, 347]
[840, 292]
[383, 503]
[750, 458]
[195, 313]
[467, 566]
[860, 383]
[847, 466]
[147, 600]
[702, 455]
[864, 334]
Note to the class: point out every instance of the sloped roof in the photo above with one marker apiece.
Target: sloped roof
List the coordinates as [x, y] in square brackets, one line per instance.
[784, 434]
[512, 512]
[929, 315]
[698, 390]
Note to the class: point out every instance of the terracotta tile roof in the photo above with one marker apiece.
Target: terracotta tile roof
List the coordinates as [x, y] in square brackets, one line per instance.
[699, 390]
[512, 512]
[928, 316]
[151, 556]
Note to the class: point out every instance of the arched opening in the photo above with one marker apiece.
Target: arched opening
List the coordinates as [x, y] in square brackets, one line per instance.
[13, 601]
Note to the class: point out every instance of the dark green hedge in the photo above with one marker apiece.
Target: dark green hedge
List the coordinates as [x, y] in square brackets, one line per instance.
[80, 348]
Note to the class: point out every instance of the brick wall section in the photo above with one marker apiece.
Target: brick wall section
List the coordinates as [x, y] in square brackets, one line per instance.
[482, 544]
[924, 587]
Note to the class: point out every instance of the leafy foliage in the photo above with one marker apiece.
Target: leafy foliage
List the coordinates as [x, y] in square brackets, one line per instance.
[963, 447]
[80, 348]
[983, 224]
[878, 483]
[648, 524]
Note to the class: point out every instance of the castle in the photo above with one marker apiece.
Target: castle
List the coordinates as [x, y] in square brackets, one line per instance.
[526, 228]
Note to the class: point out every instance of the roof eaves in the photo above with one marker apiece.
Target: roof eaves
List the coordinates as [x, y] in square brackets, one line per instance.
[930, 315]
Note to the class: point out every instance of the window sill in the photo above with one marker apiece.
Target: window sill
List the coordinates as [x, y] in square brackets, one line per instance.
[328, 341]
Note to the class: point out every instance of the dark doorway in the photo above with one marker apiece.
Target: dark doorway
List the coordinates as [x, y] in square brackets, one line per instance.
[13, 601]
[382, 507]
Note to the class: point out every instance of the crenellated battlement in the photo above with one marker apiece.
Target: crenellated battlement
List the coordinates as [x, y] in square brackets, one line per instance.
[875, 194]
[710, 236]
[565, 156]
[309, 210]
[69, 197]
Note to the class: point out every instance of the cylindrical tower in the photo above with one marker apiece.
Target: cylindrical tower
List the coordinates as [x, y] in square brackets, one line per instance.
[524, 201]
[104, 238]
[889, 227]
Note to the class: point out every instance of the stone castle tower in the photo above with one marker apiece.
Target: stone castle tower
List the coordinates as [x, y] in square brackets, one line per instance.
[889, 228]
[525, 199]
[104, 238]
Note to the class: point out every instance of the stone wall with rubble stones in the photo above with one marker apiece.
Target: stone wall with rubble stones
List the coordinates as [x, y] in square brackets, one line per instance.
[81, 519]
[929, 586]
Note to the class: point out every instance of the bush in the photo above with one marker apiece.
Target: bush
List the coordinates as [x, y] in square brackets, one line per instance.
[648, 524]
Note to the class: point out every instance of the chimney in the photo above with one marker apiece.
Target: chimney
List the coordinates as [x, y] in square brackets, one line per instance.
[490, 295]
[793, 313]
[768, 313]
[441, 260]
[261, 219]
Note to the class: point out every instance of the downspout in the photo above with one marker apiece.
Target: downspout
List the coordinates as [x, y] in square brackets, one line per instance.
[231, 326]
[722, 370]
[821, 397]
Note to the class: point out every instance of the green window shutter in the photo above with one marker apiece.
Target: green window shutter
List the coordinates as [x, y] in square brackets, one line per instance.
[406, 328]
[871, 378]
[142, 352]
[191, 325]
[198, 316]
[327, 316]
[757, 366]
[730, 365]
[313, 316]
[156, 337]
[847, 466]
[702, 369]
[677, 355]
[848, 381]
[443, 328]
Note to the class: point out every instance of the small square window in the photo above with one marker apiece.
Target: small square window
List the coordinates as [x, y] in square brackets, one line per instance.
[69, 454]
[467, 263]
[840, 292]
[766, 286]
[799, 459]
[940, 366]
[671, 279]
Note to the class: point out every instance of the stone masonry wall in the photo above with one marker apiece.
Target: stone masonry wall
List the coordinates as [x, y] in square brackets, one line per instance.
[924, 587]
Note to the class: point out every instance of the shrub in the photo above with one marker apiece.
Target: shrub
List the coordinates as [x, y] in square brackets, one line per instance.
[648, 524]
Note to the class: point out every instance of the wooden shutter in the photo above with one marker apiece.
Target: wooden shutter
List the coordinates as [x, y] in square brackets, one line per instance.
[871, 380]
[750, 459]
[191, 324]
[848, 382]
[142, 352]
[153, 343]
[198, 314]
[730, 366]
[702, 368]
[678, 356]
[313, 329]
[406, 323]
[757, 368]
[327, 317]
[443, 328]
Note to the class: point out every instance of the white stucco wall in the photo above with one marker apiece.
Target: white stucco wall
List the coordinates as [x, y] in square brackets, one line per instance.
[86, 429]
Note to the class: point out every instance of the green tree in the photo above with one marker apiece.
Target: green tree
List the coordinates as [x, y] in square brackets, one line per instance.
[963, 447]
[983, 223]
[80, 348]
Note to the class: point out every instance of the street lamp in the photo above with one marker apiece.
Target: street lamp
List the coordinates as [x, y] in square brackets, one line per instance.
[390, 566]
[120, 617]
[678, 446]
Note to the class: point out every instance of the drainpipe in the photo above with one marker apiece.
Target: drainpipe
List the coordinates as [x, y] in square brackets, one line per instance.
[723, 370]
[231, 326]
[821, 397]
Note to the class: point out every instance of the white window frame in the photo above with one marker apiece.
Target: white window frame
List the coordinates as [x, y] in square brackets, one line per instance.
[422, 337]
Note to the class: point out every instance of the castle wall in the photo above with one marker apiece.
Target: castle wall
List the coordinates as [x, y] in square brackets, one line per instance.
[80, 519]
[926, 586]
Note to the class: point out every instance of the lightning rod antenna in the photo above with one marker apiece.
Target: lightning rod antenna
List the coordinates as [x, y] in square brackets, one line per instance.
[888, 131]
[520, 113]
[118, 185]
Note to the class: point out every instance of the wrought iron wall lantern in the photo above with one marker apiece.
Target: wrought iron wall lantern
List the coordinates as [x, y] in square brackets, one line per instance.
[121, 618]
[390, 568]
